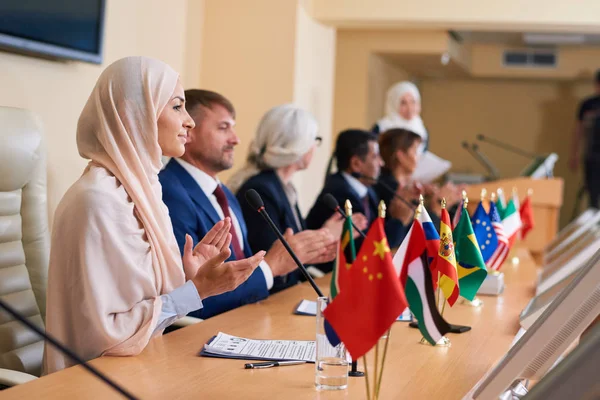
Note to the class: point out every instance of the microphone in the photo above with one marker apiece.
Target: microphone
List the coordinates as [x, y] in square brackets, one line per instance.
[386, 187]
[63, 349]
[485, 161]
[332, 203]
[256, 202]
[506, 146]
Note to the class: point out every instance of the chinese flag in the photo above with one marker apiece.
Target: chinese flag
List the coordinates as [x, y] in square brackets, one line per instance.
[526, 213]
[372, 298]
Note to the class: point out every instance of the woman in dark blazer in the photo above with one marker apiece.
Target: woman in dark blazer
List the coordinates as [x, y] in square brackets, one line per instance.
[285, 142]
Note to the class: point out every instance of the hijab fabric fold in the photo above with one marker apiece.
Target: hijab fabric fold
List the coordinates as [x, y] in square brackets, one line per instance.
[113, 250]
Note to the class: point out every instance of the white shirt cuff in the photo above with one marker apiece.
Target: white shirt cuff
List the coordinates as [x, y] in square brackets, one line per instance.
[179, 303]
[266, 270]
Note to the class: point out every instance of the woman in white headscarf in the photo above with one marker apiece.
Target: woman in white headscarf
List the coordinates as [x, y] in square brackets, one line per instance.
[284, 144]
[116, 277]
[403, 110]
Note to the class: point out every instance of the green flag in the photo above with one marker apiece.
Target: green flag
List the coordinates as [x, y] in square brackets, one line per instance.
[345, 258]
[471, 267]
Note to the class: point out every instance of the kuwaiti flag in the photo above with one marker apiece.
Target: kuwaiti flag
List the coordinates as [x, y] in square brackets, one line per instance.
[497, 259]
[415, 277]
[511, 222]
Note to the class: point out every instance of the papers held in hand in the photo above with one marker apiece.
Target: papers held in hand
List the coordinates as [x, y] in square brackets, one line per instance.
[430, 167]
[307, 307]
[227, 346]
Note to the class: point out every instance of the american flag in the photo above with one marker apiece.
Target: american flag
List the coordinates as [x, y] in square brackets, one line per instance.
[497, 259]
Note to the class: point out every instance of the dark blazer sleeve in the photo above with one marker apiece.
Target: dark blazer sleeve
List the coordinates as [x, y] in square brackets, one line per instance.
[260, 235]
[186, 219]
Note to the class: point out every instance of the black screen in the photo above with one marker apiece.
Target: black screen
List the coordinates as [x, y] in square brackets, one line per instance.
[72, 24]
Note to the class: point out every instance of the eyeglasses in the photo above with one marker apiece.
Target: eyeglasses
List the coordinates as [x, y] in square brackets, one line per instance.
[319, 140]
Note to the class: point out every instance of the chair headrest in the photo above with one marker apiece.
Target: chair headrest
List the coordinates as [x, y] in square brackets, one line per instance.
[20, 142]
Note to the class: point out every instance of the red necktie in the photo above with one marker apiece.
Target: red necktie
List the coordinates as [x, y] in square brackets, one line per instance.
[235, 243]
[365, 202]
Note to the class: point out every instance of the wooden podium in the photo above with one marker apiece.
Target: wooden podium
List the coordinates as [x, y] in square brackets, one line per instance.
[546, 200]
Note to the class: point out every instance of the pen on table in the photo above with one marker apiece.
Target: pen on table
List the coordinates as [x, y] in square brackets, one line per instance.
[271, 364]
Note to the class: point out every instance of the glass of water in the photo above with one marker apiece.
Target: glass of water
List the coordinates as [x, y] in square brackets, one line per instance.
[331, 366]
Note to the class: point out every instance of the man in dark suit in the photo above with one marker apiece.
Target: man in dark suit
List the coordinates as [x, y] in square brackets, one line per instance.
[197, 200]
[359, 165]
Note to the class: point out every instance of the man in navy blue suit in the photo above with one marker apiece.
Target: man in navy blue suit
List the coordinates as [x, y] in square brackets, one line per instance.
[197, 200]
[359, 165]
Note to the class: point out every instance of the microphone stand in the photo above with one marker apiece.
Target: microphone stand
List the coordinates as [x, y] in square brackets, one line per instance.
[485, 161]
[256, 202]
[506, 147]
[66, 351]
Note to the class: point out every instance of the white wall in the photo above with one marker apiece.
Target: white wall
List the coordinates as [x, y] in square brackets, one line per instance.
[313, 90]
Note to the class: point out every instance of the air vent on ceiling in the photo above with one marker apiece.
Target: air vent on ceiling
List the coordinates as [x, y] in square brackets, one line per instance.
[530, 58]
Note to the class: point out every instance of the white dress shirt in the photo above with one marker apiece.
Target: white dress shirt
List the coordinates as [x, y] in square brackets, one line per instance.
[208, 184]
[179, 303]
[357, 185]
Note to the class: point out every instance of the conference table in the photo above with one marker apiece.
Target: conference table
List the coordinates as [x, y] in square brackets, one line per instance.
[170, 368]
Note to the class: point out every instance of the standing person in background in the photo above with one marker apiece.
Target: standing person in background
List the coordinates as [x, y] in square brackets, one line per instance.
[587, 136]
[403, 110]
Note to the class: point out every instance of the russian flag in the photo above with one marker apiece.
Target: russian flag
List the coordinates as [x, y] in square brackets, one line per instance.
[431, 236]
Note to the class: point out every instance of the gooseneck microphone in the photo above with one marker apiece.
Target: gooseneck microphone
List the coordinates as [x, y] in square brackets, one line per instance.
[256, 202]
[332, 203]
[494, 174]
[63, 349]
[387, 188]
[506, 146]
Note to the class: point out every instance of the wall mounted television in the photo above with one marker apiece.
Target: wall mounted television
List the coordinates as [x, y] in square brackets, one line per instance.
[55, 29]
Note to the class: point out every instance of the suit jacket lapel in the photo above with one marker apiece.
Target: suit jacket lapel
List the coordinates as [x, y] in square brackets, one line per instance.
[194, 191]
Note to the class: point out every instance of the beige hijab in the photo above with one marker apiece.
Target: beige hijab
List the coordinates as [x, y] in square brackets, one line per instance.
[113, 251]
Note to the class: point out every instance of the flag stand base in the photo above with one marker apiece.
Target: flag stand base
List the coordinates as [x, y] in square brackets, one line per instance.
[443, 342]
[453, 328]
[475, 303]
[354, 372]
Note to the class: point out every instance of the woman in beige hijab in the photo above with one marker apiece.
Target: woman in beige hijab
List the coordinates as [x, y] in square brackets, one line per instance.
[116, 277]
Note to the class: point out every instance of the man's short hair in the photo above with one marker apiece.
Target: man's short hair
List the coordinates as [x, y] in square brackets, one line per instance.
[350, 143]
[208, 99]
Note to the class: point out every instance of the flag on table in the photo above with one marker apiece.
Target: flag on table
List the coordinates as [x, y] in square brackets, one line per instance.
[432, 241]
[343, 263]
[445, 262]
[511, 222]
[471, 267]
[457, 214]
[431, 235]
[371, 297]
[526, 213]
[501, 203]
[415, 276]
[497, 259]
[484, 233]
